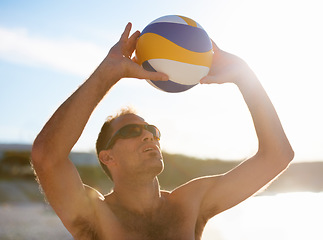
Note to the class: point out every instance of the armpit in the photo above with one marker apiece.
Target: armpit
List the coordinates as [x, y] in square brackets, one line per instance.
[93, 193]
[84, 230]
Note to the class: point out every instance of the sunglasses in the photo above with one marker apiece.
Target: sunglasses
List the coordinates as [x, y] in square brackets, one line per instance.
[131, 131]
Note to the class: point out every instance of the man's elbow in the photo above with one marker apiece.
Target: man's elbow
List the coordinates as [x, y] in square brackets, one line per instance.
[287, 153]
[285, 156]
[281, 156]
[291, 154]
[36, 153]
[39, 153]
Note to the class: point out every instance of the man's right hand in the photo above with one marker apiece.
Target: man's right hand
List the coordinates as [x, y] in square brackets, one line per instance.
[119, 63]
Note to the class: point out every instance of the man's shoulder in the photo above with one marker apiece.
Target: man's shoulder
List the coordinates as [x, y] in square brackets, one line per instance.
[89, 227]
[194, 189]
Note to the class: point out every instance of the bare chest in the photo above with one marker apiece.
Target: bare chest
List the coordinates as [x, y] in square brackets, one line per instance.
[166, 223]
[170, 222]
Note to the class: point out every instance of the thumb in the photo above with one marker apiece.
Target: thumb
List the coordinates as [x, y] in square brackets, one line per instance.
[154, 76]
[151, 75]
[157, 76]
[208, 80]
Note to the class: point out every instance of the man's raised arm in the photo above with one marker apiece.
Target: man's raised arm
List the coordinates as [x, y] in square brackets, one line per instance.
[56, 173]
[274, 154]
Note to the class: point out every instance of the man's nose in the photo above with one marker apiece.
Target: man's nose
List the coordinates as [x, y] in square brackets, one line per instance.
[147, 136]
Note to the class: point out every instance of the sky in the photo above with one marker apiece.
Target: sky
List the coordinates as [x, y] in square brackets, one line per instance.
[49, 48]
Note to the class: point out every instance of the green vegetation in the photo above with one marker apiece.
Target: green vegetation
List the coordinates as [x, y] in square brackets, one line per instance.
[17, 181]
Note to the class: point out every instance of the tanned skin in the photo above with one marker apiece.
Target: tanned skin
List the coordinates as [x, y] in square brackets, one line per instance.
[137, 208]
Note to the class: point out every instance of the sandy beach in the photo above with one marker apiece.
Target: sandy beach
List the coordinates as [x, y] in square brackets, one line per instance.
[32, 221]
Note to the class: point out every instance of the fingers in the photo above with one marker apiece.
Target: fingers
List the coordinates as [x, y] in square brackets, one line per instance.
[132, 42]
[126, 32]
[135, 60]
[154, 76]
[208, 80]
[134, 36]
[157, 76]
[134, 70]
[127, 46]
[214, 46]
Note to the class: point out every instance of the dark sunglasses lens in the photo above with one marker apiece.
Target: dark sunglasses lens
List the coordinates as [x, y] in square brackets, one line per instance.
[130, 131]
[154, 131]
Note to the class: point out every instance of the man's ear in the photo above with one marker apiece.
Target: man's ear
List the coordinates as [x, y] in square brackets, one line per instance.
[105, 157]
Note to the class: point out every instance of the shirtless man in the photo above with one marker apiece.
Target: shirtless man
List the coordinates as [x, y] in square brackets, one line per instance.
[137, 208]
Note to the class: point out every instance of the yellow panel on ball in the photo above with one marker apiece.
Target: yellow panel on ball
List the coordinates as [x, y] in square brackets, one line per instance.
[177, 46]
[154, 46]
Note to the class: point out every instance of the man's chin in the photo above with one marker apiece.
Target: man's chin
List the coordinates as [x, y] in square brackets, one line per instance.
[158, 165]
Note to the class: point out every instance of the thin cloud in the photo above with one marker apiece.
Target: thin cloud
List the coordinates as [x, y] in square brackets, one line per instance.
[67, 55]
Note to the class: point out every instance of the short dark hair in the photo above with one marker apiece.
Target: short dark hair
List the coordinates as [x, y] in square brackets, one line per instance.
[106, 132]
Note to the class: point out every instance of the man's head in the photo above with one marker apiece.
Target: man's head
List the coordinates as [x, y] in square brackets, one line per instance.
[126, 141]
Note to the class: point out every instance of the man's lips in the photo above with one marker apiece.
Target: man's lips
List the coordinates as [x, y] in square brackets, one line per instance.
[149, 148]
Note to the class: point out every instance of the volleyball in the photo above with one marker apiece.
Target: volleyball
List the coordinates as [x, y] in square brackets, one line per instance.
[177, 46]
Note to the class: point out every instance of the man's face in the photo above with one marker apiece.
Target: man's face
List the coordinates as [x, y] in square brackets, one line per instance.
[136, 155]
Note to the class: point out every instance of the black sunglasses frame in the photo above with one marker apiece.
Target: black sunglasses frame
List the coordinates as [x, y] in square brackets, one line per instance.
[125, 132]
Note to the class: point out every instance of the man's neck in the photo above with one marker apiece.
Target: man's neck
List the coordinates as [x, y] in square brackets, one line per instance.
[140, 197]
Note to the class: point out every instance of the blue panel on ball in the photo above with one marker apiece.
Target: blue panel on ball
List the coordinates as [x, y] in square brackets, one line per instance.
[171, 87]
[168, 86]
[189, 37]
[146, 65]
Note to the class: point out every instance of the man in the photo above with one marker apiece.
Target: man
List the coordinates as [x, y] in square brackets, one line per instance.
[137, 208]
